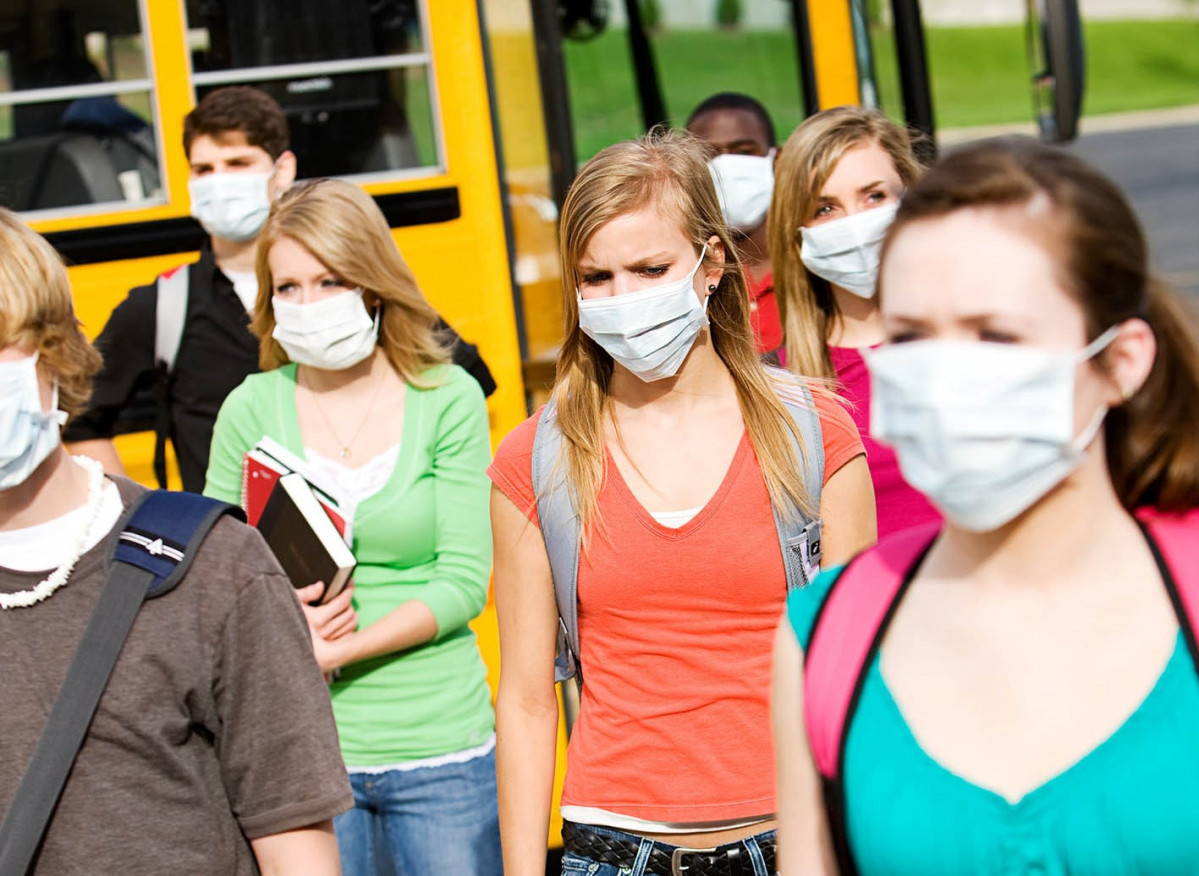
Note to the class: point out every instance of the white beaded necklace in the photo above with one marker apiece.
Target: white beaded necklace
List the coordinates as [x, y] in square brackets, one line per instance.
[57, 578]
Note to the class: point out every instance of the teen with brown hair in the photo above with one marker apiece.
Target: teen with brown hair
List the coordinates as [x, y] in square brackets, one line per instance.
[676, 449]
[357, 381]
[838, 181]
[1033, 702]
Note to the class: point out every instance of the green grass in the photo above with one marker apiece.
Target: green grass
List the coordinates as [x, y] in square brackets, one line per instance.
[980, 75]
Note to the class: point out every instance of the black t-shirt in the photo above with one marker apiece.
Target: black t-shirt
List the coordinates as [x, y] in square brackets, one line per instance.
[216, 353]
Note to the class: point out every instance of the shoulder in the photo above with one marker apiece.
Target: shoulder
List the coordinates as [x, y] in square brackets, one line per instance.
[512, 469]
[451, 383]
[259, 386]
[517, 445]
[804, 604]
[838, 433]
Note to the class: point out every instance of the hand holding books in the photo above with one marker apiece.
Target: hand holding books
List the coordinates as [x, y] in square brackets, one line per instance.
[328, 623]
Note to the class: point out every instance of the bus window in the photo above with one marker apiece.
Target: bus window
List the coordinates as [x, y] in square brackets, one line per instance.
[354, 77]
[76, 106]
[748, 47]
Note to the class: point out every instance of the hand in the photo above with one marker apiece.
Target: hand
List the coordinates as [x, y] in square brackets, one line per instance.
[329, 625]
[334, 619]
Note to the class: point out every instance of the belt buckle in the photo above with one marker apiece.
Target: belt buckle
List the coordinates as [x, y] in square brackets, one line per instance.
[677, 868]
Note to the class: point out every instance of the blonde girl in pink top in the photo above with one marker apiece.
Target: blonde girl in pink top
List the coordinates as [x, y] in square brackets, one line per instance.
[838, 181]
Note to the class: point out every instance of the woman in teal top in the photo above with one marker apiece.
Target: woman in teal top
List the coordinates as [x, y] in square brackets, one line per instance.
[355, 381]
[1032, 706]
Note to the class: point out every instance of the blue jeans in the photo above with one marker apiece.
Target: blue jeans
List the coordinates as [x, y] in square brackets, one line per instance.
[575, 865]
[432, 820]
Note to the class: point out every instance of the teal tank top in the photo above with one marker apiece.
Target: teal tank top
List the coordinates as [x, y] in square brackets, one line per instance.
[1130, 806]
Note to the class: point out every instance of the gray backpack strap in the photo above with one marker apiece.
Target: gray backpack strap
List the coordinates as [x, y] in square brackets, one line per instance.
[799, 537]
[170, 311]
[560, 531]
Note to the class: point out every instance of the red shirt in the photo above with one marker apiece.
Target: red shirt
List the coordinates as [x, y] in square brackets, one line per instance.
[899, 506]
[675, 630]
[764, 313]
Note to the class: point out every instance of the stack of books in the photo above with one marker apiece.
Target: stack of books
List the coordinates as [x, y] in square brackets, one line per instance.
[301, 518]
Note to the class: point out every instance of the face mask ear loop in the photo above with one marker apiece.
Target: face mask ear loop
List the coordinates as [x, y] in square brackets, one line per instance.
[1093, 349]
[1097, 346]
[59, 416]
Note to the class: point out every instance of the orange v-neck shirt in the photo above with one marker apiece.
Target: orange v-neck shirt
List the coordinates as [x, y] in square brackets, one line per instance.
[675, 631]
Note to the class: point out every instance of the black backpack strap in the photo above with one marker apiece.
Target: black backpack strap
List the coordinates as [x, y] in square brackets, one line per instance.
[148, 554]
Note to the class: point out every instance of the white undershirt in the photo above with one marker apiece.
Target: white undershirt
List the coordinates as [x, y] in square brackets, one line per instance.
[359, 483]
[604, 818]
[245, 284]
[675, 519]
[48, 545]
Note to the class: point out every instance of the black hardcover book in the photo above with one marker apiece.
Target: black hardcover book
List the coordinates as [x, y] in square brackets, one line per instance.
[304, 539]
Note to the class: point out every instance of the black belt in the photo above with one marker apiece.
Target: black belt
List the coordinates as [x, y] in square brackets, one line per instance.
[731, 859]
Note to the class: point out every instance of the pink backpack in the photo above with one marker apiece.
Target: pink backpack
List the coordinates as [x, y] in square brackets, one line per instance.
[855, 615]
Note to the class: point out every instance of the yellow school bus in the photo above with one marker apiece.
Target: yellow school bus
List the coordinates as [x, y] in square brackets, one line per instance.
[466, 119]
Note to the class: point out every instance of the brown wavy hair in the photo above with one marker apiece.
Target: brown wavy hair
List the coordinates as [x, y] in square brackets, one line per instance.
[36, 312]
[807, 307]
[1098, 244]
[342, 226]
[669, 170]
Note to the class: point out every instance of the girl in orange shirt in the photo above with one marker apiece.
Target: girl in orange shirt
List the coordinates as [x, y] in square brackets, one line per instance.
[677, 449]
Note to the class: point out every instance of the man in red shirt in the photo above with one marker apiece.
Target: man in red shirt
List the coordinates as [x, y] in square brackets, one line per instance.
[739, 129]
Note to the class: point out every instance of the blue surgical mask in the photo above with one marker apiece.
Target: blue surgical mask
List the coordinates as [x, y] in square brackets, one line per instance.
[649, 332]
[28, 435]
[984, 430]
[231, 206]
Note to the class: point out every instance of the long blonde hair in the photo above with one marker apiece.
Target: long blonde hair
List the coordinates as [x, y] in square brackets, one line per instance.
[344, 229]
[807, 307]
[668, 170]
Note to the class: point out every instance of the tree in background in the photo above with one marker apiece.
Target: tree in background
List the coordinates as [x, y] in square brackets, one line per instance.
[728, 13]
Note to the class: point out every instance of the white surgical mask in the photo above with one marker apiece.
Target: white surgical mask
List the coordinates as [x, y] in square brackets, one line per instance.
[984, 430]
[27, 433]
[231, 206]
[649, 332]
[845, 251]
[331, 334]
[744, 185]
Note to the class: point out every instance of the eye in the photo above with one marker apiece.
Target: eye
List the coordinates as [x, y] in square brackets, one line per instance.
[654, 270]
[904, 336]
[596, 278]
[876, 197]
[823, 210]
[334, 283]
[285, 287]
[997, 336]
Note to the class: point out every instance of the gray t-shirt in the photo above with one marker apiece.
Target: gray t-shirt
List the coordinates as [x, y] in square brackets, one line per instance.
[215, 727]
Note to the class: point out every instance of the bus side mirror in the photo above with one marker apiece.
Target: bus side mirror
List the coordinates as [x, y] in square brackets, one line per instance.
[1055, 59]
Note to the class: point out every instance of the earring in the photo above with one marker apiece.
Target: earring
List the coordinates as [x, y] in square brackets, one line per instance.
[1126, 392]
[711, 288]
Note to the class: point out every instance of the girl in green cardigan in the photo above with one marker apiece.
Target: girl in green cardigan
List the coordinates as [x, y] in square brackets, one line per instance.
[356, 381]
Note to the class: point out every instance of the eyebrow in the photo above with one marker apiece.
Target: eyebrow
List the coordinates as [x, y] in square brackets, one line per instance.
[657, 258]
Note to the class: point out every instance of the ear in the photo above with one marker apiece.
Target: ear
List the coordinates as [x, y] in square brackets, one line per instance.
[1129, 359]
[715, 253]
[285, 172]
